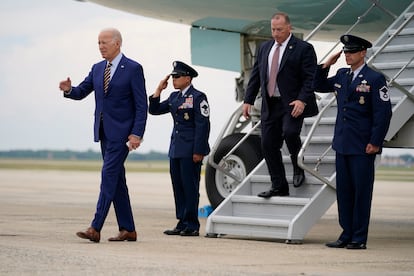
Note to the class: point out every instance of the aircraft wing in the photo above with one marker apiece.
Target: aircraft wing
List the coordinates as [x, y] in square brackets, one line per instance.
[217, 25]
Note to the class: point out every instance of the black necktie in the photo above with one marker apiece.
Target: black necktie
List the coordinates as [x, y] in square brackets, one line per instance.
[350, 77]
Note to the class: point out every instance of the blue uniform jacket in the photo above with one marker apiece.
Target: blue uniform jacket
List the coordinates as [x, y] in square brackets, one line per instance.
[123, 109]
[364, 108]
[191, 115]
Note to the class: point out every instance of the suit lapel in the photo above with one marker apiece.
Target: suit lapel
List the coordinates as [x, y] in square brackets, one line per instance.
[266, 58]
[289, 48]
[118, 71]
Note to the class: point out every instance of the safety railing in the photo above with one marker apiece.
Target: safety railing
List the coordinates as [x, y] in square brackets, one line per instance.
[235, 118]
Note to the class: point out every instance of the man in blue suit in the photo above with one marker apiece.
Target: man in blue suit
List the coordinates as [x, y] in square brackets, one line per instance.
[283, 71]
[120, 119]
[364, 114]
[189, 143]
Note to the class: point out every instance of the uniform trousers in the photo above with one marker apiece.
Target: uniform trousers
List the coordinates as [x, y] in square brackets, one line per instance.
[185, 178]
[113, 186]
[279, 126]
[354, 187]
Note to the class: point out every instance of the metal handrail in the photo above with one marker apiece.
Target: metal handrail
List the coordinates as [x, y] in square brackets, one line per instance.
[307, 141]
[220, 166]
[325, 20]
[391, 80]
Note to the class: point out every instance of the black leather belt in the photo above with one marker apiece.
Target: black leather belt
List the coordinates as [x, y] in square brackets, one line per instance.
[275, 98]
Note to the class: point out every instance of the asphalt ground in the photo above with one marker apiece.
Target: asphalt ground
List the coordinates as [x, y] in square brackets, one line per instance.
[41, 210]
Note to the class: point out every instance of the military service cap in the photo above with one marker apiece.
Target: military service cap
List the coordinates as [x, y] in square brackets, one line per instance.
[353, 44]
[182, 69]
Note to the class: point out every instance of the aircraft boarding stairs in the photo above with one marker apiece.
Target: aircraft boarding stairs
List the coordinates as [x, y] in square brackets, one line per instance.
[243, 213]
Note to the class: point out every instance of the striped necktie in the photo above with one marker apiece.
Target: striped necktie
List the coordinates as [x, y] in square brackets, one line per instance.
[107, 76]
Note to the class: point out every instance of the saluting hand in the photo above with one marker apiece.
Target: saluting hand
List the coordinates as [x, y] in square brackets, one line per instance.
[332, 60]
[161, 86]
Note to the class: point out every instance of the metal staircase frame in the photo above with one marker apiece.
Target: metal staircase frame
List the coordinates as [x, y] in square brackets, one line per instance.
[315, 205]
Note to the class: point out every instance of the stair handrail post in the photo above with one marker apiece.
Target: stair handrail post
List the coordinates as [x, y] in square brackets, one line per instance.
[307, 141]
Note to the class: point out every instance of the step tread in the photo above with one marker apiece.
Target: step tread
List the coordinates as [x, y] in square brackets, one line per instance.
[275, 200]
[250, 221]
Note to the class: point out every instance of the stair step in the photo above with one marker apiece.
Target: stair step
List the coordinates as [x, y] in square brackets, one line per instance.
[406, 31]
[392, 65]
[265, 178]
[396, 48]
[275, 201]
[324, 120]
[405, 81]
[250, 221]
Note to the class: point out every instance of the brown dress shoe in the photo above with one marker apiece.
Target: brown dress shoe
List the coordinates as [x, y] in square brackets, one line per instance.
[90, 234]
[124, 235]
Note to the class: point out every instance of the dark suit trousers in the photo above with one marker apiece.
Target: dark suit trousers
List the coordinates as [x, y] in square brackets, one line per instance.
[185, 177]
[354, 186]
[279, 126]
[113, 186]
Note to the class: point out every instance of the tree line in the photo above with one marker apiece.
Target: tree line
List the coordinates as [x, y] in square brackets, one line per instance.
[76, 155]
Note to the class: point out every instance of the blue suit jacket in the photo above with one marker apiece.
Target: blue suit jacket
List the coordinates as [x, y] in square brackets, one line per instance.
[191, 115]
[294, 79]
[124, 107]
[364, 108]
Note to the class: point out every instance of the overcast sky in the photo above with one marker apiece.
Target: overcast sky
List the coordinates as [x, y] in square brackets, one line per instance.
[45, 41]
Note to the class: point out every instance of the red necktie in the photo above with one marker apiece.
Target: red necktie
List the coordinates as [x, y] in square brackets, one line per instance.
[271, 84]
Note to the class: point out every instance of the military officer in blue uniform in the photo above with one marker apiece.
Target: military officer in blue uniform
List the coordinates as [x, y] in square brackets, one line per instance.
[189, 143]
[364, 114]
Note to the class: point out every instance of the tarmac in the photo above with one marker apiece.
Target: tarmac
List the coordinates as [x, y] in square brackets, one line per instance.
[40, 212]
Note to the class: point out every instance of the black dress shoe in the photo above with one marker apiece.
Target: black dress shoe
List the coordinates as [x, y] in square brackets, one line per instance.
[298, 178]
[356, 245]
[174, 231]
[189, 233]
[273, 192]
[337, 244]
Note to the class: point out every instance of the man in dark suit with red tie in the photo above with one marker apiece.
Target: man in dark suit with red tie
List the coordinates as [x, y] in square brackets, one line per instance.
[120, 119]
[286, 103]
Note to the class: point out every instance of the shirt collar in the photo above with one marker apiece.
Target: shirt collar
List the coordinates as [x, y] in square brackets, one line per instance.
[116, 61]
[185, 90]
[356, 72]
